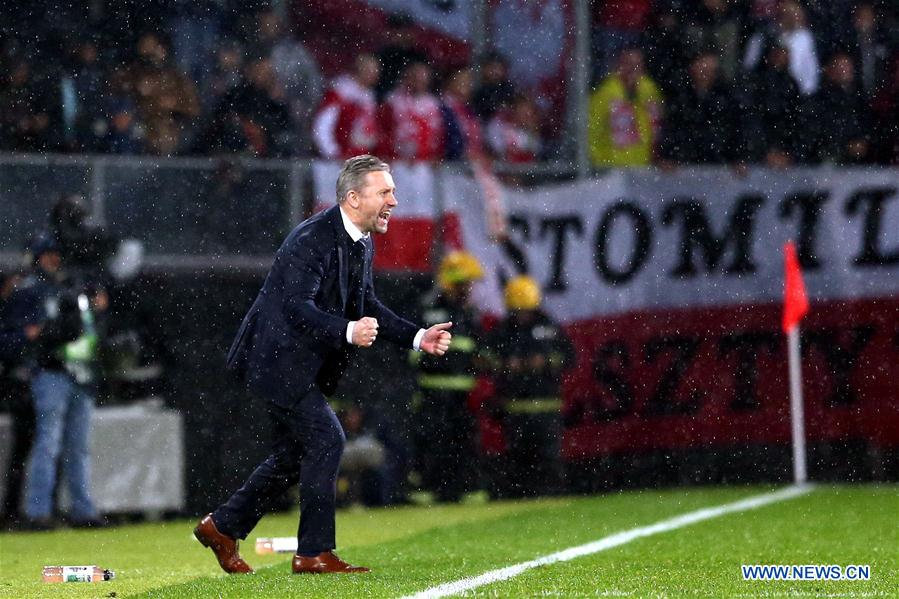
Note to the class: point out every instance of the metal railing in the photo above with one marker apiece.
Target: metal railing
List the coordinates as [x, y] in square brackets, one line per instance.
[189, 213]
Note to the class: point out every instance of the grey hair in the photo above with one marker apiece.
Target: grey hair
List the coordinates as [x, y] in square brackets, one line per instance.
[352, 175]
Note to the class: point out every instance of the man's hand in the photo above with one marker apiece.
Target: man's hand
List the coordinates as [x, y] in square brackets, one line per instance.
[365, 331]
[436, 340]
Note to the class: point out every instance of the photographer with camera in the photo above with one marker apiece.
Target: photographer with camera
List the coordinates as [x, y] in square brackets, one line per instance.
[63, 357]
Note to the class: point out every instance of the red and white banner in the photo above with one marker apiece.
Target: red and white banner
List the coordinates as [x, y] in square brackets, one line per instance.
[643, 240]
[671, 286]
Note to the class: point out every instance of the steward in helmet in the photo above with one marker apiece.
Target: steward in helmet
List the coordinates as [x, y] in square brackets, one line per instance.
[447, 443]
[528, 353]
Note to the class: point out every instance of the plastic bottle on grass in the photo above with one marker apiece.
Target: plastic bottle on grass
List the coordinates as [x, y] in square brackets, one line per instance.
[76, 574]
[266, 545]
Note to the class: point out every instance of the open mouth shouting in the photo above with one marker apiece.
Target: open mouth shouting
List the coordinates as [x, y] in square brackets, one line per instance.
[383, 217]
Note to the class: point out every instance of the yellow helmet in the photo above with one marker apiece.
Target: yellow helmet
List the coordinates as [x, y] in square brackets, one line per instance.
[522, 293]
[458, 267]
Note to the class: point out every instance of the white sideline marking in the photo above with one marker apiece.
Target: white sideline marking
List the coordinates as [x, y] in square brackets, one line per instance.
[619, 538]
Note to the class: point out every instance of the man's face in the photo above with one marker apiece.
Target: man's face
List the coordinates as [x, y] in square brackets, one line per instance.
[419, 78]
[373, 202]
[841, 71]
[790, 16]
[368, 70]
[9, 285]
[865, 18]
[269, 26]
[50, 262]
[494, 71]
[704, 70]
[462, 85]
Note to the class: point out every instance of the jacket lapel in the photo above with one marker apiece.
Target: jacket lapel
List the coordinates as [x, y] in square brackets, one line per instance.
[343, 273]
[369, 254]
[366, 268]
[340, 236]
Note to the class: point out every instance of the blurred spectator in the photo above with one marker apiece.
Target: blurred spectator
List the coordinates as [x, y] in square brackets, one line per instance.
[831, 23]
[251, 118]
[297, 73]
[791, 32]
[625, 115]
[665, 51]
[27, 120]
[840, 114]
[84, 248]
[166, 99]
[495, 90]
[529, 352]
[82, 87]
[714, 26]
[762, 13]
[400, 50]
[346, 122]
[885, 108]
[619, 24]
[196, 31]
[514, 132]
[360, 479]
[124, 134]
[702, 124]
[464, 137]
[869, 49]
[409, 120]
[226, 74]
[64, 384]
[15, 395]
[777, 111]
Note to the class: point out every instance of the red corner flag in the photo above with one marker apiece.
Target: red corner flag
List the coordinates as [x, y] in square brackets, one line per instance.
[795, 298]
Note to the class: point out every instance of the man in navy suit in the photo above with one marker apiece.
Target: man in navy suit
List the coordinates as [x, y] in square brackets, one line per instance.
[317, 304]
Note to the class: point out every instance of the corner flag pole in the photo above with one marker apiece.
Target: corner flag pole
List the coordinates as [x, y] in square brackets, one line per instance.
[795, 307]
[797, 417]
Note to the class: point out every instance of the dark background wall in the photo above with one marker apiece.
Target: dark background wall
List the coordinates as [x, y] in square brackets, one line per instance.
[191, 319]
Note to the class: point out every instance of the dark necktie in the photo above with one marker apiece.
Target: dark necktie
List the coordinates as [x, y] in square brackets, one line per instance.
[355, 286]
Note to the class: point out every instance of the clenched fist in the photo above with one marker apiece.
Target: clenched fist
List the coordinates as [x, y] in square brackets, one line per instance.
[365, 331]
[436, 340]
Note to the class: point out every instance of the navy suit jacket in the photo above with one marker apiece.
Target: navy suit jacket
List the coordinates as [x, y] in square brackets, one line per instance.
[294, 335]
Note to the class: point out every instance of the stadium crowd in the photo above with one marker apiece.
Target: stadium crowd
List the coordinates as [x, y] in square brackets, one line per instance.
[675, 81]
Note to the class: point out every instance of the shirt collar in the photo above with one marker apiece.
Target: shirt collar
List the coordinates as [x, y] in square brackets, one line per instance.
[351, 229]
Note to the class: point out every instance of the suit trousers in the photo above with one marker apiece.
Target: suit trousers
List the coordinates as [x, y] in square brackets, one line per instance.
[307, 443]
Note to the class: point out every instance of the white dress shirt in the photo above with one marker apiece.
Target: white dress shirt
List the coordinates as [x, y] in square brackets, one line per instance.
[356, 235]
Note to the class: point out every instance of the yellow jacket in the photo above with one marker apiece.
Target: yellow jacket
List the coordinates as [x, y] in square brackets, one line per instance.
[623, 131]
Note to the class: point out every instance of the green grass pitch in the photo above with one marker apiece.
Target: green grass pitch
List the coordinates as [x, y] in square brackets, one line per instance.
[413, 548]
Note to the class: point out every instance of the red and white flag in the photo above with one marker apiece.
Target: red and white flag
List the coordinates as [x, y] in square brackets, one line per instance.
[795, 296]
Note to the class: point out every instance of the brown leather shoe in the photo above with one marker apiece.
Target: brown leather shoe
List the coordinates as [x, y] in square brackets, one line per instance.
[324, 563]
[223, 546]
